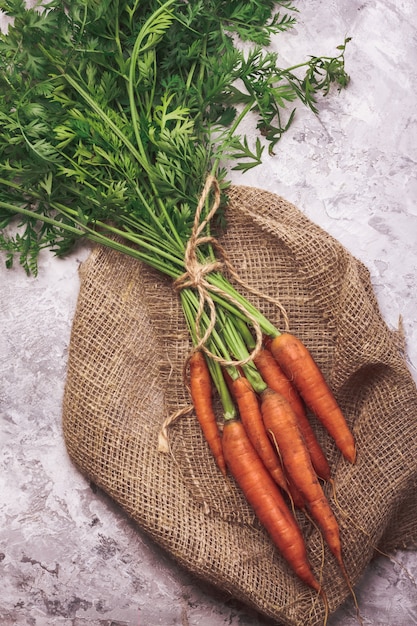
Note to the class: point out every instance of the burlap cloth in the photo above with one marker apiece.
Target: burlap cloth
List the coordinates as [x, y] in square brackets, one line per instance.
[127, 350]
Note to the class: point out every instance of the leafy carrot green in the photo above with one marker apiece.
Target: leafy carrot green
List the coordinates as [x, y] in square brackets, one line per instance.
[117, 111]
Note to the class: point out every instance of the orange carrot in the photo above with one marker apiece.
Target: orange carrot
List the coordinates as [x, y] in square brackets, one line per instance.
[299, 366]
[201, 393]
[281, 421]
[318, 458]
[250, 414]
[275, 378]
[264, 496]
[293, 492]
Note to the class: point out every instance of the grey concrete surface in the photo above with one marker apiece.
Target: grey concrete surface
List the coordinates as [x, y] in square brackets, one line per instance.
[68, 555]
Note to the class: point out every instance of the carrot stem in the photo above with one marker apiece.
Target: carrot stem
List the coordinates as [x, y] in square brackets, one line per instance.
[240, 352]
[216, 346]
[218, 280]
[247, 336]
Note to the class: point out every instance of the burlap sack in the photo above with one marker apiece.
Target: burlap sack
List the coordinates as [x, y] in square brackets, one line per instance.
[128, 346]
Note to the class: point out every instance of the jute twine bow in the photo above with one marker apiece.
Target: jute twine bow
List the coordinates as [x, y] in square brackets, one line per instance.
[195, 277]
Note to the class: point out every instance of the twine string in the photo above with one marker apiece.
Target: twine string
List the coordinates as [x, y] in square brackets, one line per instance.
[195, 277]
[163, 438]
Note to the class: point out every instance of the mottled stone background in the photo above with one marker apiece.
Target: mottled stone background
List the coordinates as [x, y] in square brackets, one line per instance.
[68, 556]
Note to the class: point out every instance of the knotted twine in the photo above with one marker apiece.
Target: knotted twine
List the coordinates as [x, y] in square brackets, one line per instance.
[195, 274]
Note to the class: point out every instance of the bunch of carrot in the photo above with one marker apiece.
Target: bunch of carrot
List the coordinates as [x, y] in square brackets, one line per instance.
[269, 446]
